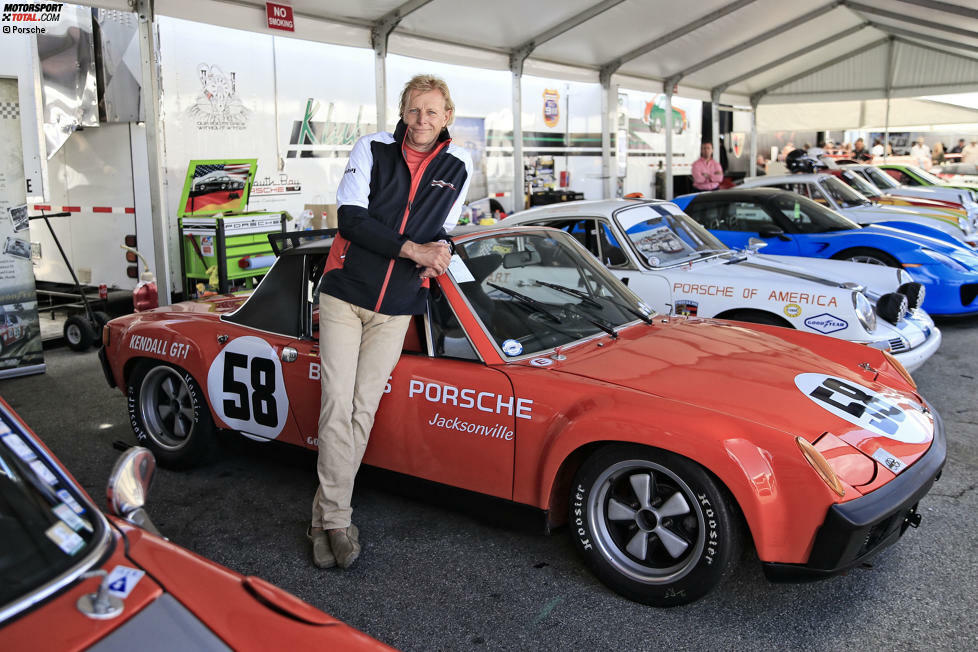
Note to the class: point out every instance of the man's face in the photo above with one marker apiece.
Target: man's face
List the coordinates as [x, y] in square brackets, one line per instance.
[425, 117]
[706, 150]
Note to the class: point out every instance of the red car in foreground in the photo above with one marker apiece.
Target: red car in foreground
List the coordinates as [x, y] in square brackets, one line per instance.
[538, 377]
[73, 578]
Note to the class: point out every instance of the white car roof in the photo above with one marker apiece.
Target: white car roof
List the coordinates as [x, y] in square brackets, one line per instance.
[785, 178]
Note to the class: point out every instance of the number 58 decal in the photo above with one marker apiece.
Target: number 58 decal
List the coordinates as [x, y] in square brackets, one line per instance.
[887, 414]
[246, 388]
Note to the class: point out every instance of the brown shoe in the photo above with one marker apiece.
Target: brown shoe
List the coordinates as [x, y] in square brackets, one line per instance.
[345, 544]
[322, 554]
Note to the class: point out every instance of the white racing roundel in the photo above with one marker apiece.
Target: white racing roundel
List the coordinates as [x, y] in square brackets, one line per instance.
[889, 415]
[246, 387]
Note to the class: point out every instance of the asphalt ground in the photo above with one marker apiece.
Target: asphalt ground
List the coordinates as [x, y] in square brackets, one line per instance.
[446, 569]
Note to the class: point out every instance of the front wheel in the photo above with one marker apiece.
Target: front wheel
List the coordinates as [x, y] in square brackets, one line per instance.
[868, 256]
[168, 414]
[653, 526]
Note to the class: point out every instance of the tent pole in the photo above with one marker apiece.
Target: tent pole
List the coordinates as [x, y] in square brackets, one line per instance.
[668, 90]
[609, 113]
[150, 98]
[715, 120]
[889, 91]
[752, 164]
[519, 188]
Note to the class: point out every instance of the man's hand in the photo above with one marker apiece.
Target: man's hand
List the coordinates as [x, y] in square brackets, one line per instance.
[433, 256]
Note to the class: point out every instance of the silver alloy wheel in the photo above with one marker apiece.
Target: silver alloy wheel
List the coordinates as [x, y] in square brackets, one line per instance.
[648, 523]
[869, 260]
[166, 407]
[73, 334]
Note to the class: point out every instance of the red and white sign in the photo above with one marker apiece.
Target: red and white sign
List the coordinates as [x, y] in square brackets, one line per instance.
[279, 16]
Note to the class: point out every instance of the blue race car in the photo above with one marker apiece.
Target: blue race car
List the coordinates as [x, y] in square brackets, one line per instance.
[792, 225]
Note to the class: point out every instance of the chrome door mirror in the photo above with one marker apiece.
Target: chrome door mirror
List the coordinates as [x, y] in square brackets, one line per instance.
[129, 485]
[755, 243]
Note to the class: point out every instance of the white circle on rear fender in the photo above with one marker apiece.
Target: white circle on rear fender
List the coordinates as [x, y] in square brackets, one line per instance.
[887, 414]
[246, 387]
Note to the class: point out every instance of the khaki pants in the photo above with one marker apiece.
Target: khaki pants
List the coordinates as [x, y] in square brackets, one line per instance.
[359, 349]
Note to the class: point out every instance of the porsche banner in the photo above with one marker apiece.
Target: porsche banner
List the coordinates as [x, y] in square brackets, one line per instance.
[20, 333]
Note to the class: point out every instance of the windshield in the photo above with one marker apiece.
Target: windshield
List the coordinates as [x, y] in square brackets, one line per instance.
[860, 184]
[537, 290]
[662, 238]
[925, 175]
[841, 194]
[44, 528]
[881, 179]
[808, 216]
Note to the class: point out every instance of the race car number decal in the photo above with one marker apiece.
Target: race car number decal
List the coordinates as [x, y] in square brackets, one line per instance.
[891, 415]
[246, 388]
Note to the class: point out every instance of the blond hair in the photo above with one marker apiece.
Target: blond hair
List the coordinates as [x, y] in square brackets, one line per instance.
[423, 84]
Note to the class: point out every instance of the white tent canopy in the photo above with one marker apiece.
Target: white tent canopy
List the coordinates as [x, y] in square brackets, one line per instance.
[735, 52]
[861, 114]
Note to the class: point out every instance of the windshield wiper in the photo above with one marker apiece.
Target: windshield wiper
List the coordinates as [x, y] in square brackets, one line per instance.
[585, 298]
[527, 301]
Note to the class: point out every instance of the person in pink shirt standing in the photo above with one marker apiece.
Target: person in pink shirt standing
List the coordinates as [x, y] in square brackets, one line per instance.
[707, 173]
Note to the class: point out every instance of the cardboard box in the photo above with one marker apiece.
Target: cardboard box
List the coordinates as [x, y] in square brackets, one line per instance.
[323, 215]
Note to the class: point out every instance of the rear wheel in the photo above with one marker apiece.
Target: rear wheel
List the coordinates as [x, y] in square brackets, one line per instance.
[868, 256]
[168, 414]
[653, 526]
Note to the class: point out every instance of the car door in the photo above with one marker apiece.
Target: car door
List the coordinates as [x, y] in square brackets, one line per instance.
[445, 416]
[735, 222]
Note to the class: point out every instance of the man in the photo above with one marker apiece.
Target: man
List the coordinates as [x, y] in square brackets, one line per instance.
[877, 148]
[921, 153]
[969, 153]
[707, 173]
[859, 151]
[957, 148]
[399, 195]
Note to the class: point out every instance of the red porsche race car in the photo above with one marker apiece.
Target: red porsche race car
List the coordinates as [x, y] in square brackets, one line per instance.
[538, 377]
[74, 578]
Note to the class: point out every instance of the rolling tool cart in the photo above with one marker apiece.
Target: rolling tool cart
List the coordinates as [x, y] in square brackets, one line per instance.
[229, 249]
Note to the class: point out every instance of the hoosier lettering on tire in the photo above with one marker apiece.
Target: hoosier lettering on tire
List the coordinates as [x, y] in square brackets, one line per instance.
[653, 526]
[168, 414]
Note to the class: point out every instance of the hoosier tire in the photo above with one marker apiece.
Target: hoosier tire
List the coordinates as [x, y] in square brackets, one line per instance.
[168, 414]
[652, 526]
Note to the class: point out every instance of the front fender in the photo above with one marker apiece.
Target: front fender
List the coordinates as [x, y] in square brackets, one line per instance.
[782, 499]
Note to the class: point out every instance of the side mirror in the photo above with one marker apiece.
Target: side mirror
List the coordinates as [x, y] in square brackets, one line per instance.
[773, 232]
[129, 485]
[755, 243]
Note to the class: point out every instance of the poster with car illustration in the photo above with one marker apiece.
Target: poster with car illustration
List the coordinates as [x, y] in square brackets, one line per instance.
[217, 186]
[20, 334]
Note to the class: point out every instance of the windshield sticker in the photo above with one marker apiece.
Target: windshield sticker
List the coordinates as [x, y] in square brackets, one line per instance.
[688, 308]
[654, 261]
[44, 473]
[122, 580]
[792, 310]
[826, 323]
[17, 445]
[459, 271]
[74, 521]
[541, 362]
[70, 501]
[65, 538]
[512, 347]
[892, 415]
[247, 389]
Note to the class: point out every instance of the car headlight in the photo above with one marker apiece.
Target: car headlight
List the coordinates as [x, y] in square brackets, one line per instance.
[864, 311]
[944, 259]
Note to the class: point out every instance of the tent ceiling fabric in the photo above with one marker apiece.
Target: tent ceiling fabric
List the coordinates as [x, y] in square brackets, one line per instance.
[856, 114]
[739, 46]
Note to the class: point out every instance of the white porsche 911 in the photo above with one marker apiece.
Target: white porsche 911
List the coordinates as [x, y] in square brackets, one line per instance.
[678, 267]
